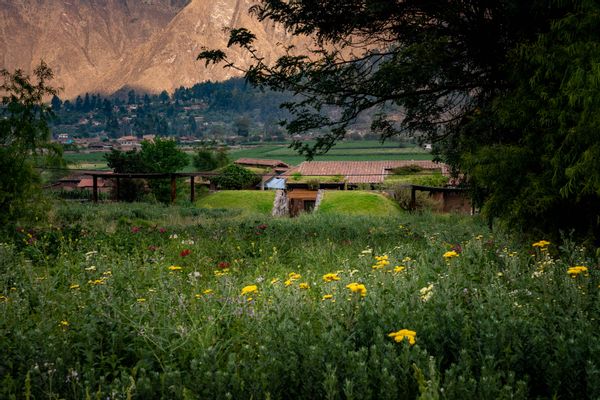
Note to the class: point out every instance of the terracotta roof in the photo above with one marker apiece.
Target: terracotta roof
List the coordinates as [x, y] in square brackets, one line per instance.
[362, 171]
[89, 182]
[259, 161]
[127, 138]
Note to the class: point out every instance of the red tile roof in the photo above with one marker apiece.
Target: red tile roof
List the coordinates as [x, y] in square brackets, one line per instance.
[362, 171]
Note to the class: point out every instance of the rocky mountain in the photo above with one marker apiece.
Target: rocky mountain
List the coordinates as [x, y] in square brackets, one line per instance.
[105, 45]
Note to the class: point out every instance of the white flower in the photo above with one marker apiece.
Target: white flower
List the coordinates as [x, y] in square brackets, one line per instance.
[173, 236]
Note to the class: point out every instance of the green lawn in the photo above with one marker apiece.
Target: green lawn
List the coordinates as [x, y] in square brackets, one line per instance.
[355, 202]
[250, 201]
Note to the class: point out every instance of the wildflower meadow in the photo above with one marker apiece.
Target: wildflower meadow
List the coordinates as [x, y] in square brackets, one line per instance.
[147, 301]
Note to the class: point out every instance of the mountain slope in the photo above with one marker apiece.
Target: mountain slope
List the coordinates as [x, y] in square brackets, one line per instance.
[104, 45]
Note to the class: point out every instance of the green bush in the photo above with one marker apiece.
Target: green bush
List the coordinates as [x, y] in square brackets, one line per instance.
[235, 177]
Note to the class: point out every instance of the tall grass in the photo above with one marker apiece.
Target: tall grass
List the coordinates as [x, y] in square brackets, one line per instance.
[139, 301]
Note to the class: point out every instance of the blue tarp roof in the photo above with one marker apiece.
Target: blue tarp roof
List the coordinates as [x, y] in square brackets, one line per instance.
[275, 183]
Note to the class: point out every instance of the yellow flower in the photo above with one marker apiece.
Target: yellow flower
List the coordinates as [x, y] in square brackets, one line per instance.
[399, 268]
[249, 289]
[404, 333]
[64, 323]
[450, 254]
[331, 277]
[3, 298]
[576, 270]
[357, 288]
[96, 282]
[207, 291]
[141, 300]
[294, 276]
[328, 297]
[174, 268]
[287, 283]
[274, 281]
[541, 244]
[303, 285]
[74, 286]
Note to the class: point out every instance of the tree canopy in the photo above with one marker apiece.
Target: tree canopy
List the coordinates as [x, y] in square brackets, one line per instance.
[24, 141]
[506, 90]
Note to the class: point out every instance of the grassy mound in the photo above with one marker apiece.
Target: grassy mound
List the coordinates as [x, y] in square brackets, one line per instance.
[357, 203]
[250, 201]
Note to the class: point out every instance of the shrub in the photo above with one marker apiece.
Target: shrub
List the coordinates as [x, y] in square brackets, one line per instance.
[235, 177]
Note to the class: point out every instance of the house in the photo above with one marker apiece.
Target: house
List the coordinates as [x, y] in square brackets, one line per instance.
[80, 181]
[353, 173]
[126, 143]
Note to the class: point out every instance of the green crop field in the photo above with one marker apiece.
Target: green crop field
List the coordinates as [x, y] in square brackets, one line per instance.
[368, 150]
[343, 151]
[93, 160]
[144, 301]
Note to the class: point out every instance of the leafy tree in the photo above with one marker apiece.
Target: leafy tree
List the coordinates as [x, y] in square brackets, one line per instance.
[127, 162]
[208, 159]
[131, 98]
[163, 97]
[56, 103]
[24, 142]
[79, 103]
[539, 163]
[504, 88]
[242, 126]
[162, 155]
[235, 177]
[87, 106]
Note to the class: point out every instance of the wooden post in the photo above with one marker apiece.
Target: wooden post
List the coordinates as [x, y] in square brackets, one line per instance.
[173, 188]
[118, 189]
[95, 188]
[192, 189]
[413, 198]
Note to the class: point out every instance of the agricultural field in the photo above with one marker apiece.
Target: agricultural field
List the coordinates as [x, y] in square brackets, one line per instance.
[93, 160]
[368, 150]
[148, 301]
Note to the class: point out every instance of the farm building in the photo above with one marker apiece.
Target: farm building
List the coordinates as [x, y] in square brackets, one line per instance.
[353, 173]
[81, 181]
[275, 165]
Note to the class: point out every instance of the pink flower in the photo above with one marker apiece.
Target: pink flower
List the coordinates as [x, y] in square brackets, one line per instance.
[223, 264]
[135, 229]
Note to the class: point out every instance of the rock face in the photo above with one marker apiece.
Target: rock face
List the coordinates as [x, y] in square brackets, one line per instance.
[105, 45]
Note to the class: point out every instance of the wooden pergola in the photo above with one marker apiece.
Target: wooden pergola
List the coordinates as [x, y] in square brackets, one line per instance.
[172, 176]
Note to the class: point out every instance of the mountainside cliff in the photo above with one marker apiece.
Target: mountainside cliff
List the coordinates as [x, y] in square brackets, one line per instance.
[104, 45]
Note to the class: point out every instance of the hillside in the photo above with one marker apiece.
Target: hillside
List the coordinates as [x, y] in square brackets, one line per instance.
[105, 45]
